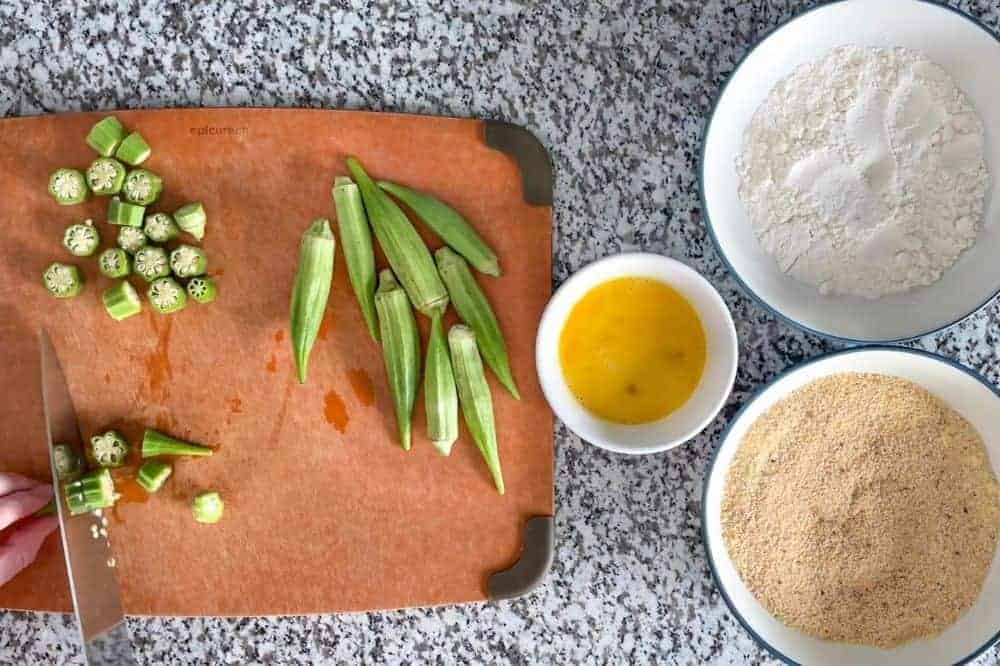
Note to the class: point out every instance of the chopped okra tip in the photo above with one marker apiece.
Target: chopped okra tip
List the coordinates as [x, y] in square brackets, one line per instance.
[174, 273]
[208, 507]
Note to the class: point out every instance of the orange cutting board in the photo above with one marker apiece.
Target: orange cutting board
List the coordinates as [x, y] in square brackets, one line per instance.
[324, 511]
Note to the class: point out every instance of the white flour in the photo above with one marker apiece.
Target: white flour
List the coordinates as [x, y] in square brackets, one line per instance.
[863, 173]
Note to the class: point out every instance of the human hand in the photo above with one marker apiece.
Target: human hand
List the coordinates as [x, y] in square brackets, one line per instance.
[20, 497]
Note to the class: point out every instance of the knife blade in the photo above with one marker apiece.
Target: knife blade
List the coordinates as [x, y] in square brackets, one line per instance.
[92, 582]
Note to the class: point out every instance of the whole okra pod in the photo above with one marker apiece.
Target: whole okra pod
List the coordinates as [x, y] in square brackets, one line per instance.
[440, 396]
[404, 248]
[311, 291]
[449, 225]
[474, 396]
[401, 349]
[356, 237]
[473, 307]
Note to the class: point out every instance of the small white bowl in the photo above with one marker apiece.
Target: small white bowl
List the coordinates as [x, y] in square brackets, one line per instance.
[968, 394]
[716, 381]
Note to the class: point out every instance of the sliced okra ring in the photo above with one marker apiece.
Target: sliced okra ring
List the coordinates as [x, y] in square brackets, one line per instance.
[106, 135]
[68, 187]
[202, 289]
[161, 228]
[81, 239]
[122, 301]
[188, 261]
[208, 507]
[157, 444]
[63, 280]
[191, 218]
[125, 214]
[67, 461]
[131, 239]
[114, 263]
[90, 492]
[153, 474]
[133, 149]
[166, 295]
[151, 263]
[142, 187]
[105, 176]
[109, 449]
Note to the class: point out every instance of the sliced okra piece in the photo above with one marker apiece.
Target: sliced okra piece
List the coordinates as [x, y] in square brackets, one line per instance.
[166, 295]
[161, 228]
[157, 444]
[105, 176]
[133, 150]
[131, 239]
[122, 301]
[81, 239]
[63, 280]
[90, 492]
[153, 474]
[202, 289]
[114, 263]
[188, 261]
[109, 449]
[142, 187]
[68, 462]
[125, 214]
[192, 219]
[151, 263]
[105, 136]
[208, 507]
[68, 187]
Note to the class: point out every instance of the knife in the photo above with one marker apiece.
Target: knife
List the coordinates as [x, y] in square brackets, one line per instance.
[92, 583]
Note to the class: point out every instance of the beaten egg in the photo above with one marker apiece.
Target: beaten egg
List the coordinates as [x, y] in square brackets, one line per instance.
[632, 350]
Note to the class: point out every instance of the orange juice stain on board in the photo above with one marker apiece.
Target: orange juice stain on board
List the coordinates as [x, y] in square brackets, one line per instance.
[128, 489]
[361, 384]
[633, 350]
[335, 411]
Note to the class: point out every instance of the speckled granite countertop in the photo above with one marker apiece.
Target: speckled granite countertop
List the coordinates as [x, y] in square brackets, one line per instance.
[619, 93]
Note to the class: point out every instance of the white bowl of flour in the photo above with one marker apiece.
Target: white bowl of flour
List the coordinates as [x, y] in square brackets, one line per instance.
[965, 392]
[848, 170]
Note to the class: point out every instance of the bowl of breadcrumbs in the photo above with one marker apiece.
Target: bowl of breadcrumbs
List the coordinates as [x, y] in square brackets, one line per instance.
[852, 511]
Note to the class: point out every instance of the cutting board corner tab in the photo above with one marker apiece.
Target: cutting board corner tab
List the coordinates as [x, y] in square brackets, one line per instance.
[375, 544]
[537, 553]
[531, 156]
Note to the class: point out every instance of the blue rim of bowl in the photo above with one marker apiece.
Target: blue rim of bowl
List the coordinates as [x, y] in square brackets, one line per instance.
[995, 639]
[708, 220]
